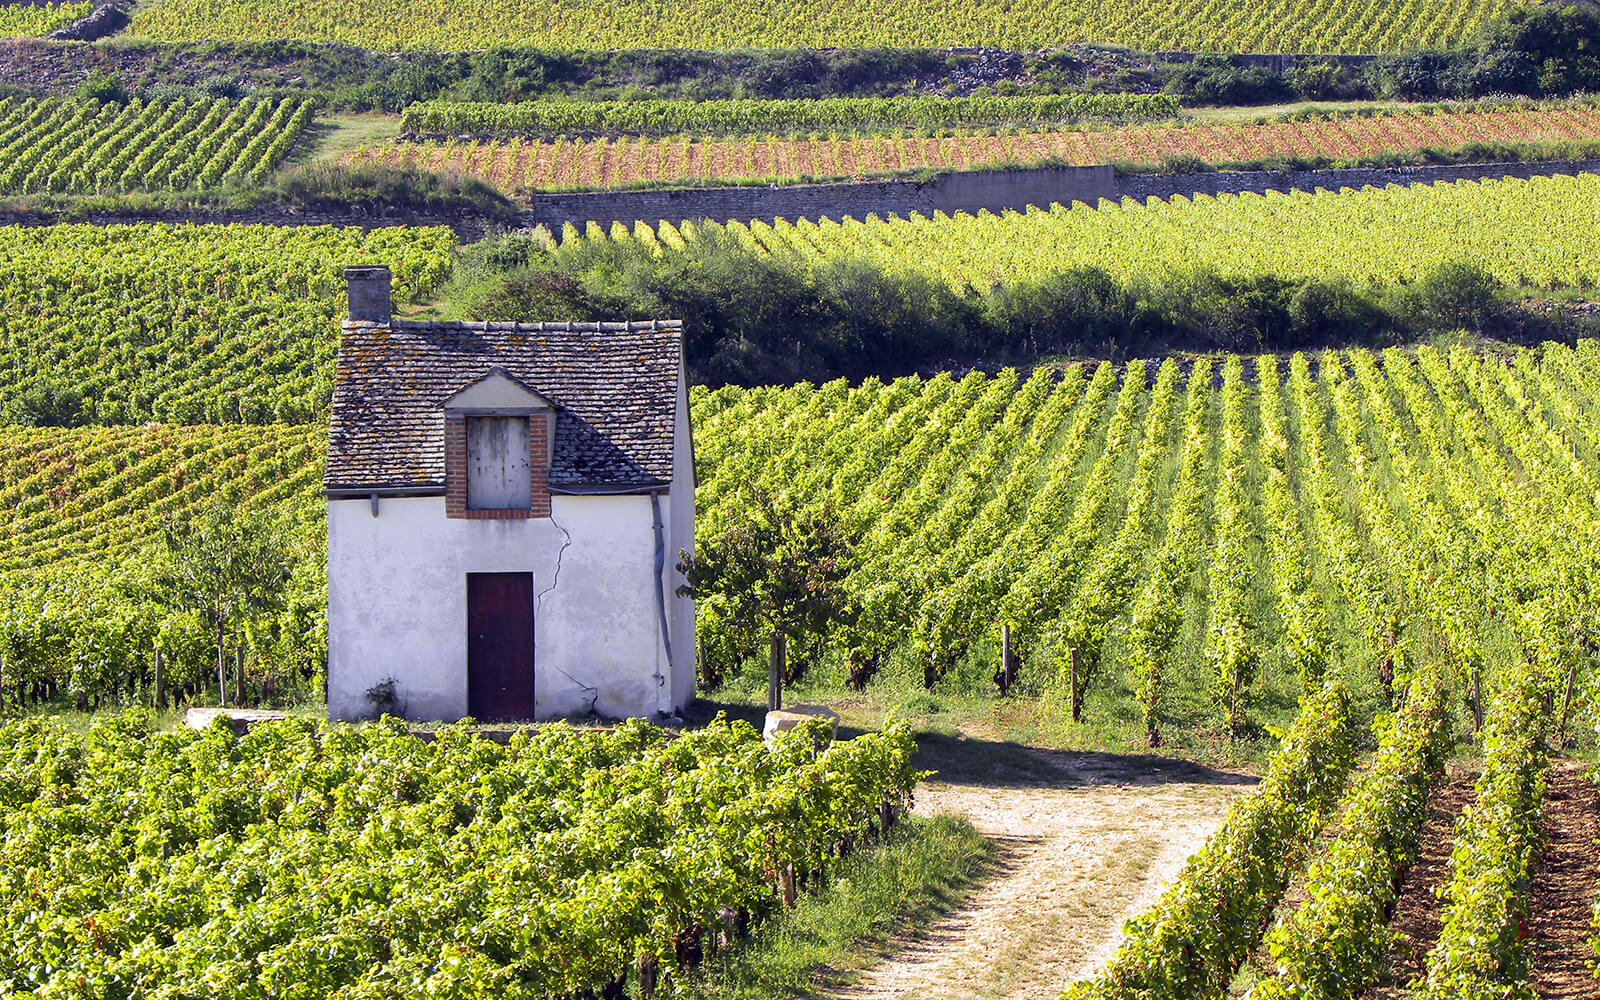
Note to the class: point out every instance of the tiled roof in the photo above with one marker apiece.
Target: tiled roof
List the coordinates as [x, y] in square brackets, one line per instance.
[615, 386]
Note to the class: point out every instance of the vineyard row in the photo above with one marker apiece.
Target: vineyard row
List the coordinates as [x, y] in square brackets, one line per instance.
[566, 161]
[1025, 25]
[50, 146]
[1285, 522]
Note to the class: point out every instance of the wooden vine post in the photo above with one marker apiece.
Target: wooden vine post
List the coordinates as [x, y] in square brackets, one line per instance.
[1566, 702]
[786, 885]
[1076, 694]
[776, 655]
[1477, 698]
[157, 682]
[1008, 661]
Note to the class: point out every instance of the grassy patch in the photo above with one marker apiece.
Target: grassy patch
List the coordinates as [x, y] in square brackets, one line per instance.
[921, 871]
[336, 135]
[961, 727]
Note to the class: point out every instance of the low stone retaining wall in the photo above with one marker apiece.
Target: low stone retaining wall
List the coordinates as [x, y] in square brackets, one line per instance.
[1145, 186]
[994, 190]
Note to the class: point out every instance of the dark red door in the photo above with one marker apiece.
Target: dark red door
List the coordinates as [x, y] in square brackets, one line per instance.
[500, 645]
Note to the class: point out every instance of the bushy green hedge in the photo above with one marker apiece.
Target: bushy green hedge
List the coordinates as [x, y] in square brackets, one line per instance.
[1189, 945]
[752, 318]
[1336, 943]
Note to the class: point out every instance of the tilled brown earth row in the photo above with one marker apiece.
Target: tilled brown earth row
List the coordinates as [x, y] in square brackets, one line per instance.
[1416, 912]
[1562, 897]
[1562, 902]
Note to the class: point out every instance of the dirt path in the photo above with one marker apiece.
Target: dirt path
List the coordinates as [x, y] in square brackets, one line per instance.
[1085, 841]
[1563, 898]
[1416, 911]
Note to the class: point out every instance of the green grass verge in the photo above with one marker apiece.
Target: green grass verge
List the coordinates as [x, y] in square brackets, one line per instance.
[920, 872]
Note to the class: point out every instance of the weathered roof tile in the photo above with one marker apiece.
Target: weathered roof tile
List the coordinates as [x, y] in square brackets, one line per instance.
[615, 387]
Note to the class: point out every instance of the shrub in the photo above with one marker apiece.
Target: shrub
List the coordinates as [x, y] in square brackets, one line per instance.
[1213, 79]
[375, 186]
[102, 85]
[1454, 295]
[1323, 311]
[50, 406]
[1325, 80]
[530, 295]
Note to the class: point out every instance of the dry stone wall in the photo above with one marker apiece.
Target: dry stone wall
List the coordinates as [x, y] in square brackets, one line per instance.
[1145, 186]
[994, 190]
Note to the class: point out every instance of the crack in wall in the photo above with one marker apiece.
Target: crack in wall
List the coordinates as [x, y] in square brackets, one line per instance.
[590, 691]
[555, 578]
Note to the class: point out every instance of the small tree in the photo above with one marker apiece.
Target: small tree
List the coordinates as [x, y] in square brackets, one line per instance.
[225, 566]
[775, 573]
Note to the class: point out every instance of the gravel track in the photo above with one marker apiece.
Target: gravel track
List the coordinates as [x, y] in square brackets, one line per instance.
[1084, 841]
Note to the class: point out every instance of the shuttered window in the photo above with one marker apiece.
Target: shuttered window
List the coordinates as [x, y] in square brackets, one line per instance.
[498, 472]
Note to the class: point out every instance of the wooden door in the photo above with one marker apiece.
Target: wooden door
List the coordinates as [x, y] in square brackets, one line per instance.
[500, 646]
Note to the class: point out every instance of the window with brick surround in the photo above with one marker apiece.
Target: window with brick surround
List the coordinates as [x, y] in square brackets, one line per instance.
[499, 466]
[499, 437]
[502, 487]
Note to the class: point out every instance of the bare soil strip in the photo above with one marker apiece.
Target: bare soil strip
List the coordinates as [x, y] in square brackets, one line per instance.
[1085, 841]
[1417, 911]
[1562, 903]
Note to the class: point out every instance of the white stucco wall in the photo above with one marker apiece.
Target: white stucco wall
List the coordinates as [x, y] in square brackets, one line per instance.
[397, 604]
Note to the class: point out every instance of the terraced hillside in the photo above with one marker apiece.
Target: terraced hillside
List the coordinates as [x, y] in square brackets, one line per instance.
[91, 146]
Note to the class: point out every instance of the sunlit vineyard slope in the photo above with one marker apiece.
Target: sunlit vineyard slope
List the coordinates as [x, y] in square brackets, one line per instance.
[456, 867]
[32, 20]
[97, 494]
[185, 324]
[79, 147]
[1543, 233]
[1275, 26]
[1189, 544]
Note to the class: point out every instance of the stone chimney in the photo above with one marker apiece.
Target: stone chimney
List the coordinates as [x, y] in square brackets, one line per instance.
[369, 294]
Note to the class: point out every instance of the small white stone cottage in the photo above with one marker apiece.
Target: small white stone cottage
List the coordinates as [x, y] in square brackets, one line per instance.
[506, 505]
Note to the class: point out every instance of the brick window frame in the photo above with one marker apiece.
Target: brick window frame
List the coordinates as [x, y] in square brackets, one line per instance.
[541, 426]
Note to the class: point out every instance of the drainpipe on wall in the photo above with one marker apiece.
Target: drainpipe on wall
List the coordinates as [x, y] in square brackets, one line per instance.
[661, 596]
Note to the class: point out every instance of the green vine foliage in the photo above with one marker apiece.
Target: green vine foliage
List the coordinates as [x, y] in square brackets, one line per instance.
[847, 114]
[1480, 955]
[1191, 942]
[308, 861]
[1336, 943]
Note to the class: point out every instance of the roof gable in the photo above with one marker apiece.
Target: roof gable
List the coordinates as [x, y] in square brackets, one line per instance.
[614, 387]
[497, 390]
